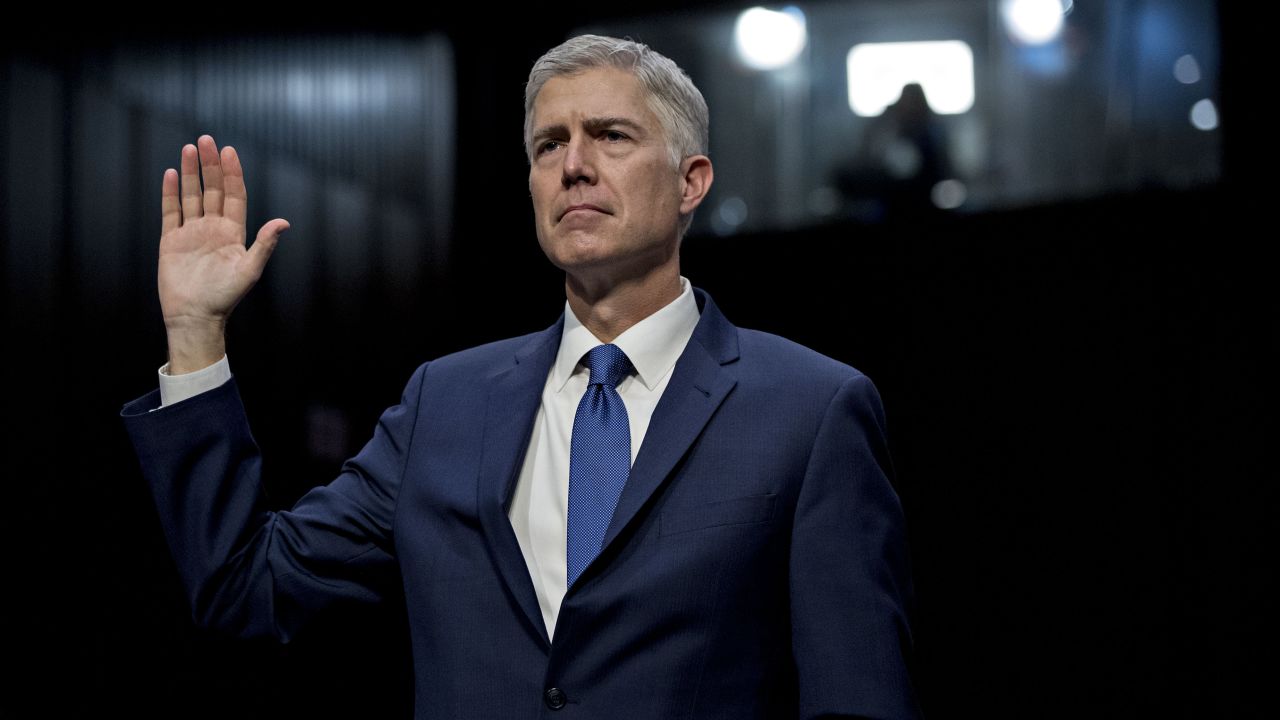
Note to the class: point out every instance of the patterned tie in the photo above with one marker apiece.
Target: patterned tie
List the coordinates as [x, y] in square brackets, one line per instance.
[599, 457]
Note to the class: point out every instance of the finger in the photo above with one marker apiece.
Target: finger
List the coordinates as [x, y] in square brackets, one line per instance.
[211, 170]
[264, 244]
[236, 202]
[170, 207]
[192, 207]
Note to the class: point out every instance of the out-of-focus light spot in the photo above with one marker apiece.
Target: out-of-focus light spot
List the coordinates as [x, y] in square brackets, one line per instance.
[769, 39]
[876, 73]
[1204, 115]
[1186, 70]
[1034, 22]
[729, 216]
[902, 158]
[949, 194]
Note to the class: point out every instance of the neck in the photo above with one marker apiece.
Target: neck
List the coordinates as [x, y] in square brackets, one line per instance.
[608, 309]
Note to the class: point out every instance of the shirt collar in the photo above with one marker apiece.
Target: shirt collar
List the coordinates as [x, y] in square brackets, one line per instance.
[653, 345]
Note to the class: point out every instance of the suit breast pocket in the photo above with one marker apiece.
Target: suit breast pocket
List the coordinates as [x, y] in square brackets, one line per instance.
[737, 511]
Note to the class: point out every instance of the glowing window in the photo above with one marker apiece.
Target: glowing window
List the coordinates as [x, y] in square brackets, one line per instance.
[876, 73]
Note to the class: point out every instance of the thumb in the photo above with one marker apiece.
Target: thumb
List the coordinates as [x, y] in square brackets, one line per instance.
[264, 244]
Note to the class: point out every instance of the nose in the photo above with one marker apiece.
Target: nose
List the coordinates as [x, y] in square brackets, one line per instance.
[579, 163]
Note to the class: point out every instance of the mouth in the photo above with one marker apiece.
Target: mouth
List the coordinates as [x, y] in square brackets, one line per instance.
[583, 207]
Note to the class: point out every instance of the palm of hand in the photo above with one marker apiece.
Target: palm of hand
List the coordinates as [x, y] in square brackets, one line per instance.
[204, 267]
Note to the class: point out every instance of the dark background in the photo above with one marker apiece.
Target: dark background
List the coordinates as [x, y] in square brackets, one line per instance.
[1077, 398]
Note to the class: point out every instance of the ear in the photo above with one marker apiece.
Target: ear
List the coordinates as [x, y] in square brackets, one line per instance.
[695, 182]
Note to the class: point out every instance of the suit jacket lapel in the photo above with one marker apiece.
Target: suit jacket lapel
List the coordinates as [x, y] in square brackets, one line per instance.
[514, 395]
[699, 383]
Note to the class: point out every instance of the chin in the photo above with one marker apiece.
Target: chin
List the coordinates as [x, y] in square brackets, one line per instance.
[578, 250]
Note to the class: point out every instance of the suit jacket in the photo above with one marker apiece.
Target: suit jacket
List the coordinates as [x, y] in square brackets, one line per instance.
[754, 568]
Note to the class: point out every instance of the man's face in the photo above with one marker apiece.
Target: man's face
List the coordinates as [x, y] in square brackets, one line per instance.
[606, 199]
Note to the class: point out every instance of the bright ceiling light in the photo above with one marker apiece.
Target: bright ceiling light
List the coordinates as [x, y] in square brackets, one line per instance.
[1034, 22]
[769, 39]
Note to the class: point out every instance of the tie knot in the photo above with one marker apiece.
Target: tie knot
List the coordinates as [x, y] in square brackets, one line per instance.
[608, 365]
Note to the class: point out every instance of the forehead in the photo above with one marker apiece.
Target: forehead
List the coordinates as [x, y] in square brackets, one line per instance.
[594, 93]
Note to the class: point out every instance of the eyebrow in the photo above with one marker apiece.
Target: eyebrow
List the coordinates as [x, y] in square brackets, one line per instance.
[592, 126]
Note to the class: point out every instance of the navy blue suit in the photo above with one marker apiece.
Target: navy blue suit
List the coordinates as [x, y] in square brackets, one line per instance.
[755, 566]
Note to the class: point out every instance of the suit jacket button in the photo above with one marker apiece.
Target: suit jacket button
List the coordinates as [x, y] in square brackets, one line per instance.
[554, 698]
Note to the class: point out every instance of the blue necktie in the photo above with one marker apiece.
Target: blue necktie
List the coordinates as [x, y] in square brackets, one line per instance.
[599, 457]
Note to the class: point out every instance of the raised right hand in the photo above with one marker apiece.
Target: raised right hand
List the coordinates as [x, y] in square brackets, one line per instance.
[205, 268]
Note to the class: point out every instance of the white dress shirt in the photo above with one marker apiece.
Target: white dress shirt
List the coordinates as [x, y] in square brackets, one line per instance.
[539, 508]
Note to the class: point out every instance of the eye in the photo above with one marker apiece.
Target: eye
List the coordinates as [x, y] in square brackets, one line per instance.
[548, 146]
[614, 136]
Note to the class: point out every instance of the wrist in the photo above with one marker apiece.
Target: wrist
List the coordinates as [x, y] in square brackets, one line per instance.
[195, 345]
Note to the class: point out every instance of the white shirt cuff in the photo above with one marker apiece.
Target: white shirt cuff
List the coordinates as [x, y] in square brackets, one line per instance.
[176, 388]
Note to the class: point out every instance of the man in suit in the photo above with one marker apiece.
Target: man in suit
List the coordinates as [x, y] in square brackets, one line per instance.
[642, 511]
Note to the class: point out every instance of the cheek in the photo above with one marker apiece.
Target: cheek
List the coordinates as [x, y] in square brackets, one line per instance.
[539, 195]
[664, 188]
[543, 218]
[544, 230]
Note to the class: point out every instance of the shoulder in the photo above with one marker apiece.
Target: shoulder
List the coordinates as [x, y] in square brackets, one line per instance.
[765, 355]
[796, 381]
[490, 353]
[799, 394]
[783, 382]
[769, 367]
[484, 360]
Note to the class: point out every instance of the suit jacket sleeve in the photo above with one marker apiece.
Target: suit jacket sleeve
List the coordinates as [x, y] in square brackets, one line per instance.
[850, 582]
[246, 569]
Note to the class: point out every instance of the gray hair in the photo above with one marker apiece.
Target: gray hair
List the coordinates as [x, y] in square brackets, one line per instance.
[680, 108]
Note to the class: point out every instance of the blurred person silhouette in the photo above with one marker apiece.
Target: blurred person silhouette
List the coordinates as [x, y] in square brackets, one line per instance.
[901, 158]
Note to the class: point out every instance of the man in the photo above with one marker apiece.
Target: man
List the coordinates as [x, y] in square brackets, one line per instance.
[642, 511]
